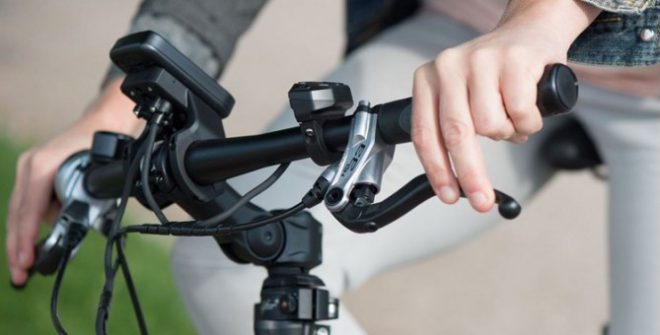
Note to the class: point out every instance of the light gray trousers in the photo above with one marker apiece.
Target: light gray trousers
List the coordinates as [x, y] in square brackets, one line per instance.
[220, 294]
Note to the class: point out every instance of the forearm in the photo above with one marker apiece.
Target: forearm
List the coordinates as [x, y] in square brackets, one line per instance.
[111, 111]
[560, 20]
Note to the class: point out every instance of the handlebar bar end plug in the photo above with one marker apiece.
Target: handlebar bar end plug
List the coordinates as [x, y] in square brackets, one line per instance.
[507, 206]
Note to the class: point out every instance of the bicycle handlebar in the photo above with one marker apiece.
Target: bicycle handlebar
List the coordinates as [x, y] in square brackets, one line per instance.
[193, 159]
[210, 161]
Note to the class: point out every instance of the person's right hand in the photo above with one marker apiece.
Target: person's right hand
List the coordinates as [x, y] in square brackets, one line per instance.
[487, 87]
[32, 198]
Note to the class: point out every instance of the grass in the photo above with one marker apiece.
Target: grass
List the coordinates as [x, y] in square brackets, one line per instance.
[28, 311]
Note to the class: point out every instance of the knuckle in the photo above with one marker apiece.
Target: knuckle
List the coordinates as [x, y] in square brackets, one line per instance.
[24, 159]
[438, 181]
[38, 158]
[480, 56]
[518, 109]
[536, 125]
[454, 132]
[470, 180]
[487, 125]
[421, 136]
[419, 73]
[528, 125]
[516, 53]
[23, 210]
[447, 58]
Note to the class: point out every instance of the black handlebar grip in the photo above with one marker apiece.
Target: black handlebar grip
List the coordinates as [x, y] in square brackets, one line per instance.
[557, 94]
[557, 90]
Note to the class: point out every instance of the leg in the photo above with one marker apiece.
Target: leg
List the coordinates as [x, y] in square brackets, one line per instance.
[626, 132]
[218, 292]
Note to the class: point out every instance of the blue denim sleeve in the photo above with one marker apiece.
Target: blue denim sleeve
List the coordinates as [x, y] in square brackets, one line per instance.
[622, 6]
[620, 39]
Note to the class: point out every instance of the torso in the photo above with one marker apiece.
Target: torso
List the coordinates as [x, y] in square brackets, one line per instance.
[483, 15]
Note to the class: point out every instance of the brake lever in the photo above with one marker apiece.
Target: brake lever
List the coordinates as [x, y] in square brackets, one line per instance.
[350, 197]
[367, 218]
[79, 213]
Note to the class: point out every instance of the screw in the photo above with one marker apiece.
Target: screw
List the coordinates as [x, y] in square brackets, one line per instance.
[334, 196]
[149, 88]
[309, 132]
[131, 93]
[322, 331]
[288, 304]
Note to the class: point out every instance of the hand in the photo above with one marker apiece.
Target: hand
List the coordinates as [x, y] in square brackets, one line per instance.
[487, 86]
[32, 198]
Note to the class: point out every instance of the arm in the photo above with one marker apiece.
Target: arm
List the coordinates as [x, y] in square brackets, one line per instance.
[486, 87]
[204, 30]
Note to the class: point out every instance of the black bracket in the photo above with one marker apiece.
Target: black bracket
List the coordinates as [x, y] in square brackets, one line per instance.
[313, 103]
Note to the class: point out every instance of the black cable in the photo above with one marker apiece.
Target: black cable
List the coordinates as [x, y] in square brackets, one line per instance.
[106, 294]
[185, 229]
[121, 258]
[56, 290]
[218, 218]
[144, 175]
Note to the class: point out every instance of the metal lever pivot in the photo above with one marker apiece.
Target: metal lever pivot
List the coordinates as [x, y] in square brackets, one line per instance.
[358, 175]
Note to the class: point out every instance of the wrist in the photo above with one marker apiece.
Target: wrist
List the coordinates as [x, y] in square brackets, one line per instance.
[112, 111]
[559, 21]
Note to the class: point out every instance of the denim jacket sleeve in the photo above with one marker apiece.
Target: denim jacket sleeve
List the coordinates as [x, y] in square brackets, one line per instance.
[625, 34]
[622, 6]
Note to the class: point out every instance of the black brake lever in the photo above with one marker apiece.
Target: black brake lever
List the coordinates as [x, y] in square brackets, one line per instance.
[557, 94]
[365, 219]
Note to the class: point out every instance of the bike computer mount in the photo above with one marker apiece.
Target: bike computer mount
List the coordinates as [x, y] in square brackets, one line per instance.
[171, 90]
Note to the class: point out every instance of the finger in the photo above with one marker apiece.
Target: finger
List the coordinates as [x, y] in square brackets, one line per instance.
[486, 106]
[519, 95]
[52, 211]
[426, 136]
[460, 140]
[33, 206]
[12, 219]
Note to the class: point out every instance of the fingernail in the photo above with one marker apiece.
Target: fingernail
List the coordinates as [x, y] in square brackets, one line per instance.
[477, 199]
[447, 194]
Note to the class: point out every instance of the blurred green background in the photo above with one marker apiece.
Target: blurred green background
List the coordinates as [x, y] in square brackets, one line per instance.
[27, 311]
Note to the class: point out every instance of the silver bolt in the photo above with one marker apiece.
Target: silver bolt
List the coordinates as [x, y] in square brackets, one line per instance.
[309, 132]
[322, 331]
[647, 34]
[332, 308]
[131, 93]
[149, 89]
